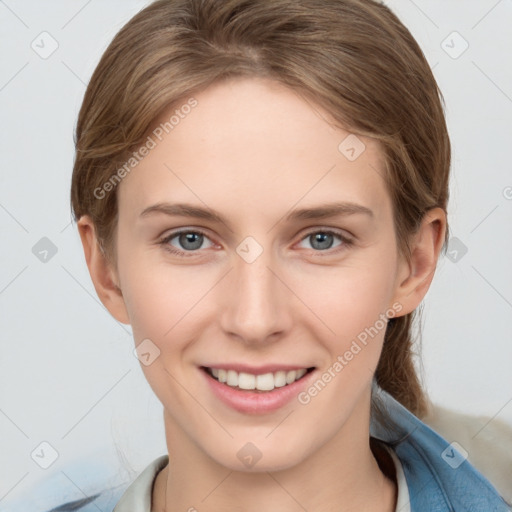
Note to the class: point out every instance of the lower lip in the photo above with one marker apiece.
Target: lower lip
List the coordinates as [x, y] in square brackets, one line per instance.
[250, 402]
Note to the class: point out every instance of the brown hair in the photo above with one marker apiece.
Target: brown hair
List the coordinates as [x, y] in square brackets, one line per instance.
[352, 57]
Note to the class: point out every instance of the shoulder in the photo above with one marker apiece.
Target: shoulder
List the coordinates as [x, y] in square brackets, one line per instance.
[438, 473]
[486, 441]
[139, 494]
[86, 484]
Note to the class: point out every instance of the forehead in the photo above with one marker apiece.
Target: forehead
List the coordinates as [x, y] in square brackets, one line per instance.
[254, 145]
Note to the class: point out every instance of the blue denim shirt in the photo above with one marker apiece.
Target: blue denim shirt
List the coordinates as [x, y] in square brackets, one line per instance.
[439, 478]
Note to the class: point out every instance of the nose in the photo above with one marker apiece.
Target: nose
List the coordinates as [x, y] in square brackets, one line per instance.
[256, 305]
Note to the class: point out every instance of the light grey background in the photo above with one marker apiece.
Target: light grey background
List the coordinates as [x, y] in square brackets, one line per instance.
[68, 375]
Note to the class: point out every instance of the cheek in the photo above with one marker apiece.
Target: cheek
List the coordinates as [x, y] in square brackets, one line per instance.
[348, 299]
[158, 296]
[163, 305]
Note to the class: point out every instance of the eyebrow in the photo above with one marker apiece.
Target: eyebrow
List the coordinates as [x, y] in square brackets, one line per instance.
[319, 212]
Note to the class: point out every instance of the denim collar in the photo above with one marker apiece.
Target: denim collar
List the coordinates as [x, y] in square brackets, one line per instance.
[439, 477]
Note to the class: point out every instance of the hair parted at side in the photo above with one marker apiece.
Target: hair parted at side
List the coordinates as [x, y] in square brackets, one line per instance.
[354, 58]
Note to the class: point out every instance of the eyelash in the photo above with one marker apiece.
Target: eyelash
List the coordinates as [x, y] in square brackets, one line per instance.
[346, 242]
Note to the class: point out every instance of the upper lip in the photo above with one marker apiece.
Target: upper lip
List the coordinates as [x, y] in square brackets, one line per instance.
[256, 370]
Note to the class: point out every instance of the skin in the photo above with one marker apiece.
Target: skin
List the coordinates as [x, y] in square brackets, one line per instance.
[253, 150]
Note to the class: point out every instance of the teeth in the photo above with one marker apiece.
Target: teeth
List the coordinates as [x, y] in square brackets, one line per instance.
[232, 378]
[290, 376]
[265, 382]
[280, 379]
[246, 381]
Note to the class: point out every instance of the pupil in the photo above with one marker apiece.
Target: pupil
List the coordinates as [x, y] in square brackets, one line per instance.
[321, 238]
[195, 239]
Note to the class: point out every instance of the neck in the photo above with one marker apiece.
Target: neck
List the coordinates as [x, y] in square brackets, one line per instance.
[344, 475]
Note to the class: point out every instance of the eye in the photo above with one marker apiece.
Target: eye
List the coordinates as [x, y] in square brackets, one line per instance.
[322, 240]
[187, 241]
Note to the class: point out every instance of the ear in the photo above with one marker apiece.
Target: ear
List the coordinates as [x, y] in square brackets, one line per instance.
[103, 275]
[415, 275]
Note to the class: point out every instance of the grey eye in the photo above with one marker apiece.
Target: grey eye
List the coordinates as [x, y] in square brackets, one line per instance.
[322, 240]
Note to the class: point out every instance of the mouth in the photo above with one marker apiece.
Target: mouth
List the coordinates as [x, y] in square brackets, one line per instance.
[257, 391]
[256, 383]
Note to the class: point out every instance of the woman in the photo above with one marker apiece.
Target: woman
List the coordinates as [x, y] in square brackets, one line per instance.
[261, 192]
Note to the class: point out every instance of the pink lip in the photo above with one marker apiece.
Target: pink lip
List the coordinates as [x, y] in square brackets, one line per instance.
[257, 402]
[255, 370]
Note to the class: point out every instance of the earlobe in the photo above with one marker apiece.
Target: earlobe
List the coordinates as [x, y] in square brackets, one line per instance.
[103, 275]
[415, 275]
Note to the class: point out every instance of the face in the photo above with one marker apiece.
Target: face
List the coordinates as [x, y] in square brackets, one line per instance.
[282, 259]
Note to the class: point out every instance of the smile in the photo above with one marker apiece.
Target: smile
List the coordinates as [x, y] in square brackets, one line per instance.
[256, 390]
[263, 382]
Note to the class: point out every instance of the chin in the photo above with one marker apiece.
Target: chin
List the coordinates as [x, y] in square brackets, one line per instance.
[251, 459]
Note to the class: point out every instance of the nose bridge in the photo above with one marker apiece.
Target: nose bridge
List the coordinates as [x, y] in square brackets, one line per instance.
[256, 305]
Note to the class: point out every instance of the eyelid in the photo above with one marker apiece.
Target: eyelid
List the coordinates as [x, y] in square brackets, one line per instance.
[346, 240]
[325, 229]
[164, 241]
